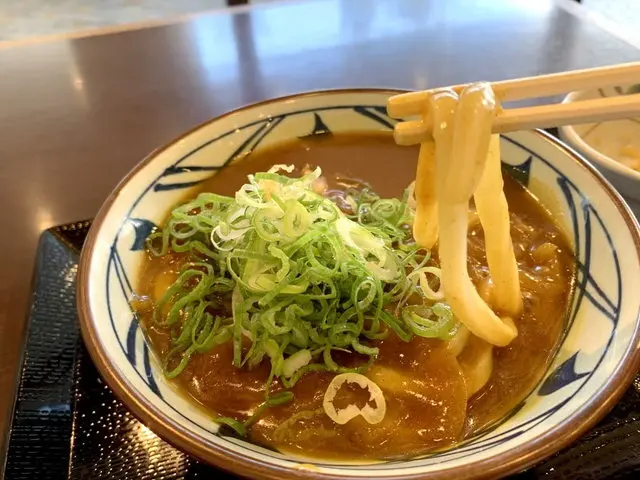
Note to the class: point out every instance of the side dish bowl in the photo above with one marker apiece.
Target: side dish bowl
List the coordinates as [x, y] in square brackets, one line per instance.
[597, 359]
[613, 147]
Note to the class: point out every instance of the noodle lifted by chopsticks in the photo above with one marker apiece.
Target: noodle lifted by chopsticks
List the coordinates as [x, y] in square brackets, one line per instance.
[467, 163]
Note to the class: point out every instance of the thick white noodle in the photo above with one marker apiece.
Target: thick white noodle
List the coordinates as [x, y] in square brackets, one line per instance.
[425, 223]
[492, 208]
[476, 363]
[462, 143]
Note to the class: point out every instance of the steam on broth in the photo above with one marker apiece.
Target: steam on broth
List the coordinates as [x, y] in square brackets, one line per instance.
[319, 311]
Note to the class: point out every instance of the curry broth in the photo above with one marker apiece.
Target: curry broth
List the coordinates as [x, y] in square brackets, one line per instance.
[423, 384]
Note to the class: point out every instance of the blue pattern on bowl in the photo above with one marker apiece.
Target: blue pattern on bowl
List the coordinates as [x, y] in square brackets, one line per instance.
[554, 380]
[585, 225]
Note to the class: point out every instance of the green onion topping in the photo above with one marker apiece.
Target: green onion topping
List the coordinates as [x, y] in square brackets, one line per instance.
[289, 277]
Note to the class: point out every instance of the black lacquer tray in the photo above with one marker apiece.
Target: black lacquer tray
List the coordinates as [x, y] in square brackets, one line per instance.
[68, 424]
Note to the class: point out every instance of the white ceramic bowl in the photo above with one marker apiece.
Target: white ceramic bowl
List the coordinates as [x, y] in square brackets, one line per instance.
[597, 360]
[602, 143]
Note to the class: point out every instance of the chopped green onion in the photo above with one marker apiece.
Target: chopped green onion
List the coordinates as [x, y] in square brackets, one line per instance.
[286, 276]
[273, 401]
[235, 425]
[420, 320]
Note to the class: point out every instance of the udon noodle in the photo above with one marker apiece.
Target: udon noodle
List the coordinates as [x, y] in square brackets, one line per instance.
[311, 315]
[461, 161]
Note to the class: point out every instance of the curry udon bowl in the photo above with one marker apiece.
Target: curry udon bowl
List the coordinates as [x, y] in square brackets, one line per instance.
[596, 360]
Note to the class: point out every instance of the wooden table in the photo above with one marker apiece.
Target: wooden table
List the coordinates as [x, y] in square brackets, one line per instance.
[76, 115]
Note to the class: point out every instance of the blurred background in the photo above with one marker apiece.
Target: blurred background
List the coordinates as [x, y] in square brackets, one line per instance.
[25, 19]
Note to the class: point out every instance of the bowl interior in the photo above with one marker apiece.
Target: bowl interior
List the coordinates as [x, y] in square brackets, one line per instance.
[595, 361]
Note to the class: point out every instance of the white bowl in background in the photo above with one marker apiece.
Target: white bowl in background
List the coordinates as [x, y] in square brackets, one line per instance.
[604, 143]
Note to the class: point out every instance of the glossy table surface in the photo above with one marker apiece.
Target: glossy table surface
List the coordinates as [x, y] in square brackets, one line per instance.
[76, 115]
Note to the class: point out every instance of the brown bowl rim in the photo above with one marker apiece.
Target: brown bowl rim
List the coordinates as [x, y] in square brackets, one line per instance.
[512, 461]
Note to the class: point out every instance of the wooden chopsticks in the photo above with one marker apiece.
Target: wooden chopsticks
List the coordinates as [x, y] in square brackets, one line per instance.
[508, 120]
